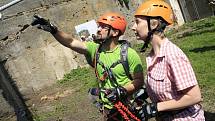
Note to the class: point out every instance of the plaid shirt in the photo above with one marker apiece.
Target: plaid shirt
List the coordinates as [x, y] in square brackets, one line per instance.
[168, 74]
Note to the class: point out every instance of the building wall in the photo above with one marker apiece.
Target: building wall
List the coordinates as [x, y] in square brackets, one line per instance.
[195, 9]
[177, 11]
[34, 59]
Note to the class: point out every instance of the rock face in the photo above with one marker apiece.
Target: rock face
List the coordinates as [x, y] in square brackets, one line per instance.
[33, 58]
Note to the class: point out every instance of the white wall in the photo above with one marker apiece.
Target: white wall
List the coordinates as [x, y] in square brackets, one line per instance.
[177, 11]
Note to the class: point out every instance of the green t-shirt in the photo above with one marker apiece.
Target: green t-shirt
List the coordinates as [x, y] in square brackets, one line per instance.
[108, 58]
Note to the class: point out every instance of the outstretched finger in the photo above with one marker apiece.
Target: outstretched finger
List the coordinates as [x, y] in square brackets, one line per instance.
[39, 27]
[37, 20]
[37, 16]
[34, 22]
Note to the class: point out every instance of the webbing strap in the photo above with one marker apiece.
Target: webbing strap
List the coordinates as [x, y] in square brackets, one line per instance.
[159, 28]
[96, 59]
[107, 71]
[124, 59]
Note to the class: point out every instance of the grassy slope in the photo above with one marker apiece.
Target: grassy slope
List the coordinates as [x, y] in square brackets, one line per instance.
[75, 106]
[196, 39]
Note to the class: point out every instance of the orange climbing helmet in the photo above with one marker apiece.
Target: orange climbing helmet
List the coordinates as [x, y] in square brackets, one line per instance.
[156, 8]
[115, 20]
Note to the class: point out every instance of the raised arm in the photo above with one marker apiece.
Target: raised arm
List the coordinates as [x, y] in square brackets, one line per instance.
[70, 42]
[62, 37]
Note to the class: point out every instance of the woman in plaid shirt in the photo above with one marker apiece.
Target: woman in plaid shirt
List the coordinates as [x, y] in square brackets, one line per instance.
[171, 83]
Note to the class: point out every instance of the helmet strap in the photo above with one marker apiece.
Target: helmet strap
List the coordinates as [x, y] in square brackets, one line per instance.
[149, 36]
[159, 28]
[162, 26]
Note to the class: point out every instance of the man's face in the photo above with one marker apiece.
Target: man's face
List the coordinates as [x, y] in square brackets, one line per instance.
[140, 27]
[102, 32]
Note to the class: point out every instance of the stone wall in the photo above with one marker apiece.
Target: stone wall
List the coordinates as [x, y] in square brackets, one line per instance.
[34, 59]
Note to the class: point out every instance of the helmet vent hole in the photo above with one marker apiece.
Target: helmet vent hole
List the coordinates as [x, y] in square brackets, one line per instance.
[119, 18]
[160, 6]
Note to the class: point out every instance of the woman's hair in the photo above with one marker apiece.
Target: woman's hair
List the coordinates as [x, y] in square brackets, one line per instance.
[161, 25]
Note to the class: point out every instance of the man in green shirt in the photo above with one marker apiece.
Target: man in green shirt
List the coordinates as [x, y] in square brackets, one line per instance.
[102, 54]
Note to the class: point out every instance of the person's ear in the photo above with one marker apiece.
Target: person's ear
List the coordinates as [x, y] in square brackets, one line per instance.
[154, 23]
[116, 33]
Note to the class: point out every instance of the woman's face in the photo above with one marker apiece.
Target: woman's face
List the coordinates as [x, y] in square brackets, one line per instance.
[140, 27]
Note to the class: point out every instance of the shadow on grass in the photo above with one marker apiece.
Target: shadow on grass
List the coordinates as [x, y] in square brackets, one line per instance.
[203, 49]
[209, 116]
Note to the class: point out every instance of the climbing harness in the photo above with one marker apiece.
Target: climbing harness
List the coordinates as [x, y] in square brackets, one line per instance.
[121, 108]
[108, 71]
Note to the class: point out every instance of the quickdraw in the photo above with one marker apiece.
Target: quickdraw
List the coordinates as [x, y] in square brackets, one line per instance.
[123, 110]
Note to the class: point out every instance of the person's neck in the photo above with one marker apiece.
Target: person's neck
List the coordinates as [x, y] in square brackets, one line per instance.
[110, 44]
[156, 43]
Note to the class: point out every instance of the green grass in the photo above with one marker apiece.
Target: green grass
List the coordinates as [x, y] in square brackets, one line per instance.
[201, 51]
[193, 28]
[58, 111]
[80, 76]
[79, 80]
[199, 45]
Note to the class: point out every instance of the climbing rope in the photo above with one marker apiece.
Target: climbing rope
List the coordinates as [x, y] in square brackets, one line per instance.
[123, 110]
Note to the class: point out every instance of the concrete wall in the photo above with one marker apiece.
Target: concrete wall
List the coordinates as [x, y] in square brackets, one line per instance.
[34, 59]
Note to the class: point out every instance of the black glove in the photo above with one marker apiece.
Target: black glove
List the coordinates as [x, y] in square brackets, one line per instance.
[94, 91]
[141, 96]
[116, 94]
[44, 24]
[148, 111]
